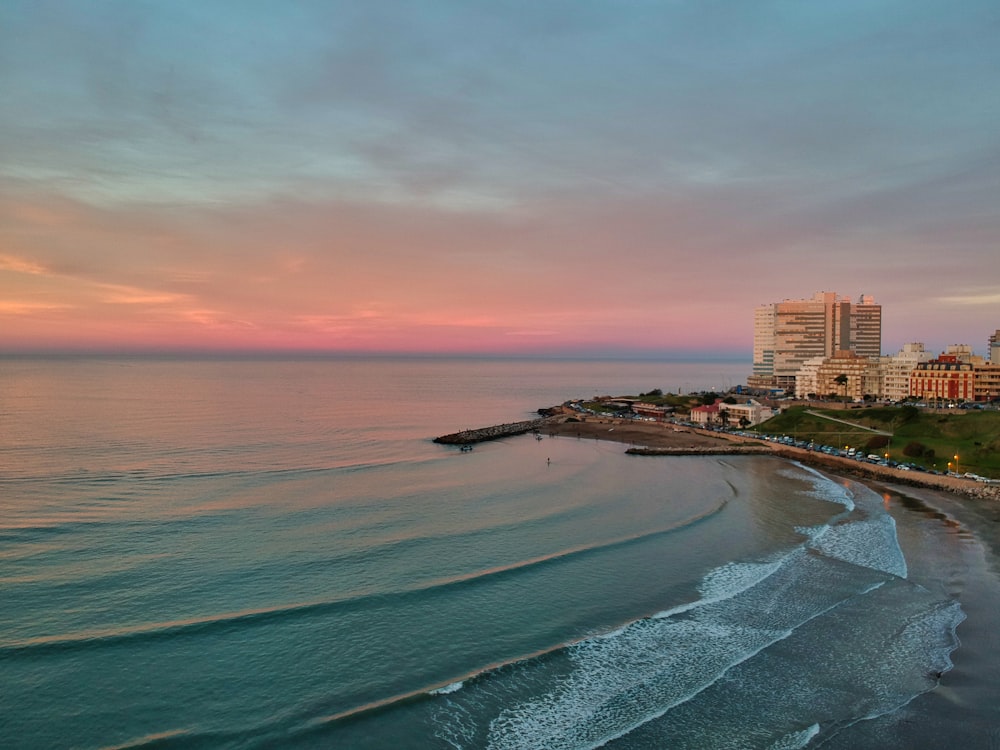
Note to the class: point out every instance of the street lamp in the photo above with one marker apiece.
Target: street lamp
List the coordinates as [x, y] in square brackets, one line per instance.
[949, 467]
[956, 463]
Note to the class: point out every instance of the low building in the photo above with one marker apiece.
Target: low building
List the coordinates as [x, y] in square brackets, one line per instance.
[651, 411]
[708, 414]
[753, 412]
[732, 415]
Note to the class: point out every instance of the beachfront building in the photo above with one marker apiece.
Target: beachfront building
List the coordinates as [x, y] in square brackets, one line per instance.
[994, 352]
[763, 347]
[861, 376]
[657, 412]
[806, 378]
[705, 415]
[987, 382]
[945, 378]
[894, 371]
[788, 333]
[732, 415]
[745, 414]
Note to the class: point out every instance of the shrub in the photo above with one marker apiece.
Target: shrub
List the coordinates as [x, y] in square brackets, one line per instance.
[879, 441]
[915, 449]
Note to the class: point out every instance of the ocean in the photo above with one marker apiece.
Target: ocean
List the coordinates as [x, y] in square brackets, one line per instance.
[261, 553]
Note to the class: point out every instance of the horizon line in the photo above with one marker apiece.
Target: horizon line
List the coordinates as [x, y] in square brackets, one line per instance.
[266, 353]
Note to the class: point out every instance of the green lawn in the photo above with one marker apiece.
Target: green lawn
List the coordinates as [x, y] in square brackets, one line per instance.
[973, 436]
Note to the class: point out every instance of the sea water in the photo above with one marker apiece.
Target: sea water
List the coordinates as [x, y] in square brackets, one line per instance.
[258, 553]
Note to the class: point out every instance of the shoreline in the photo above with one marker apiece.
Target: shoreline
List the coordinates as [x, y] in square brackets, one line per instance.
[949, 531]
[659, 438]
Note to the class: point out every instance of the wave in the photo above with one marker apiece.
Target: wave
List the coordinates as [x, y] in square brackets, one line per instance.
[637, 674]
[197, 625]
[149, 475]
[655, 665]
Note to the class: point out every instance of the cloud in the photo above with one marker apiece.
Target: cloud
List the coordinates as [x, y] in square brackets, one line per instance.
[19, 307]
[21, 265]
[973, 299]
[384, 173]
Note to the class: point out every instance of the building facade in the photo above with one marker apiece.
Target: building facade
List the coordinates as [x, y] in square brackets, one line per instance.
[987, 385]
[788, 333]
[860, 379]
[895, 369]
[946, 378]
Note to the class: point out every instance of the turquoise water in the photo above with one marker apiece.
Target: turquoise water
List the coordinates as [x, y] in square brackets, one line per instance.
[245, 554]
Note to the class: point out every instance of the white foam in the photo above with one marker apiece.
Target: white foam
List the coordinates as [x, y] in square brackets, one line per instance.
[824, 488]
[870, 543]
[796, 740]
[618, 684]
[733, 578]
[452, 688]
[725, 583]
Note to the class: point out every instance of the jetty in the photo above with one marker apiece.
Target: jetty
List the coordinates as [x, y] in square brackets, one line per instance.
[482, 434]
[727, 450]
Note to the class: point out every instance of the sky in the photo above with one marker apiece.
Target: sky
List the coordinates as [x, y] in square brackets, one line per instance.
[554, 178]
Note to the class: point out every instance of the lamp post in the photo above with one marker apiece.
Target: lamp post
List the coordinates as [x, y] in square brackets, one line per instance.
[956, 463]
[949, 467]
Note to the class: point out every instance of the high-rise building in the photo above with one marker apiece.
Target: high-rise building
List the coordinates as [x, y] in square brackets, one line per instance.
[788, 333]
[995, 348]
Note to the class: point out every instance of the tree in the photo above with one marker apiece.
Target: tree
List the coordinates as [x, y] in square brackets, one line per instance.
[724, 417]
[744, 422]
[842, 380]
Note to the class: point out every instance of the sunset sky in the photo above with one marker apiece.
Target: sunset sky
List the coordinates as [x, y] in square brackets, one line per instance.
[539, 177]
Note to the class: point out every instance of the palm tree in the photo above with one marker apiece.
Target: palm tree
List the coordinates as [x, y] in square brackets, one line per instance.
[842, 380]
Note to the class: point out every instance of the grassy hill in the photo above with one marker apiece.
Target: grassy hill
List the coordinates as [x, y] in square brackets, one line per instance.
[973, 436]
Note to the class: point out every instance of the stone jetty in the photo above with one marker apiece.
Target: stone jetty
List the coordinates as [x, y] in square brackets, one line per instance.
[727, 450]
[482, 434]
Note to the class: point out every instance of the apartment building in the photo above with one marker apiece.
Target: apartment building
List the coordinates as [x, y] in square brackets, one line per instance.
[946, 378]
[987, 383]
[788, 333]
[894, 371]
[861, 376]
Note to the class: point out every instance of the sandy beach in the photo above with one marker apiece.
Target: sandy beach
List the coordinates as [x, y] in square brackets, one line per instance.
[949, 530]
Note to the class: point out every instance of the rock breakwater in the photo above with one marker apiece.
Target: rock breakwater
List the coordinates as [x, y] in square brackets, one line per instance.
[482, 434]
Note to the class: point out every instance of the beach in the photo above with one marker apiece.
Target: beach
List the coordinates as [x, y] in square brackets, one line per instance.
[949, 531]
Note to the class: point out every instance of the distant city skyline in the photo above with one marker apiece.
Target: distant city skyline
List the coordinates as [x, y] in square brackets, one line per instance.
[540, 179]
